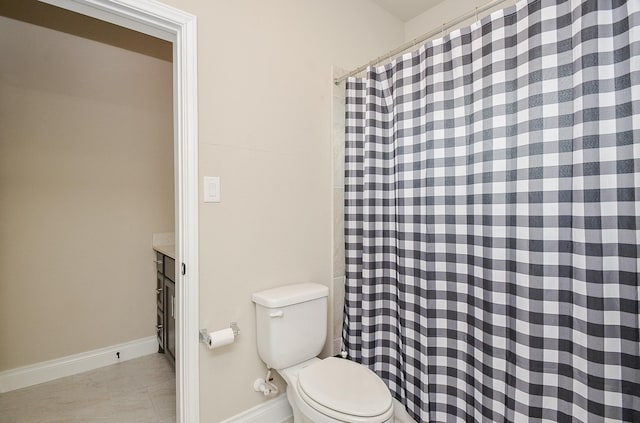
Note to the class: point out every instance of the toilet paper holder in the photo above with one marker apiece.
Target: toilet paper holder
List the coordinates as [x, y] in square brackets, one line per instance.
[204, 333]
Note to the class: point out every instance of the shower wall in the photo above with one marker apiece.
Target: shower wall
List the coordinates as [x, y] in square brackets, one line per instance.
[338, 210]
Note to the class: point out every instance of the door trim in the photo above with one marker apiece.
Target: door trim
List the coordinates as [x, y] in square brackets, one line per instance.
[179, 28]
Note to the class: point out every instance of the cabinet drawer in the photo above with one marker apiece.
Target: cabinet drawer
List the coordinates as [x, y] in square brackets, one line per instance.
[170, 268]
[160, 291]
[159, 262]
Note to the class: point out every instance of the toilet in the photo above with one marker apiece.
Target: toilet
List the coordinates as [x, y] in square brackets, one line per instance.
[291, 331]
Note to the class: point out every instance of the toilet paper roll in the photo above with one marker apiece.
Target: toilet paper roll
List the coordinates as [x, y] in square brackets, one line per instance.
[220, 338]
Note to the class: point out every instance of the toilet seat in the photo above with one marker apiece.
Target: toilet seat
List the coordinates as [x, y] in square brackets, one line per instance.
[345, 391]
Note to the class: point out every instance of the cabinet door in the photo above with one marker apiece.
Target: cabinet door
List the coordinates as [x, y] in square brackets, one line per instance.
[170, 319]
[160, 291]
[169, 268]
[160, 331]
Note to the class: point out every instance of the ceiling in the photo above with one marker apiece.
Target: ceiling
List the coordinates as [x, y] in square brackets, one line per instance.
[406, 9]
[45, 15]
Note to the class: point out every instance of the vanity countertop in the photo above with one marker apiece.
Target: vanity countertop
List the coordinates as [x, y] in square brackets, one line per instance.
[167, 250]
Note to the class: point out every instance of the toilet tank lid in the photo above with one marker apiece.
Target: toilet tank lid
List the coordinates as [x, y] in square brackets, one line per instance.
[290, 294]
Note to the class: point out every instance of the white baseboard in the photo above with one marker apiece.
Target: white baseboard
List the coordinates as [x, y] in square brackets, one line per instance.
[45, 371]
[277, 410]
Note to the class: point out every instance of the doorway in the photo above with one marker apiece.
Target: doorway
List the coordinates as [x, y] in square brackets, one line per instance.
[178, 28]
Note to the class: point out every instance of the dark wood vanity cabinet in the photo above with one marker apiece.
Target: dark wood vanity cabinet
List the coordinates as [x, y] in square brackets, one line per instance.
[166, 305]
[160, 308]
[170, 318]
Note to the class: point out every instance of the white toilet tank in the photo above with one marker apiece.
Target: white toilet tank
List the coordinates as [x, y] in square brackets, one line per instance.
[291, 323]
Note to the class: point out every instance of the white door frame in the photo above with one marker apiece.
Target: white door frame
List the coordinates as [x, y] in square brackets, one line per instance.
[170, 24]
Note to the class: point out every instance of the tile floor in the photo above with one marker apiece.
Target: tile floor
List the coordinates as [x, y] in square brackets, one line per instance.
[135, 391]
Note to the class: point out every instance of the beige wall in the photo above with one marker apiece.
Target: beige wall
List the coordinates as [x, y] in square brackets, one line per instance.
[445, 12]
[265, 96]
[85, 179]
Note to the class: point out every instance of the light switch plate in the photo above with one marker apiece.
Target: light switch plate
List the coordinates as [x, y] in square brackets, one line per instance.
[211, 189]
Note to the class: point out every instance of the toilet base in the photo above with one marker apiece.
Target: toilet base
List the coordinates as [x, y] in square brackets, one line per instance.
[298, 417]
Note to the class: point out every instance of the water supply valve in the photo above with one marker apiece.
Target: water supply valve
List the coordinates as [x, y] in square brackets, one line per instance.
[266, 386]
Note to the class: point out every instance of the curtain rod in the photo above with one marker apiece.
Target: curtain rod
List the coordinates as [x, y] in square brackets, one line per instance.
[421, 39]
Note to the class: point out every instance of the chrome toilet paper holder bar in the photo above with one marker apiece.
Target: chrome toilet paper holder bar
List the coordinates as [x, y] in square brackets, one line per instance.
[204, 333]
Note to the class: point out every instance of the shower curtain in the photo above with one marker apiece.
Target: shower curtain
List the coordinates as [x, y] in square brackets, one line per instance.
[491, 218]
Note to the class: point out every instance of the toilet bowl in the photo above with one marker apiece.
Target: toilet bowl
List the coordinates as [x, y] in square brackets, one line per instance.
[291, 324]
[335, 390]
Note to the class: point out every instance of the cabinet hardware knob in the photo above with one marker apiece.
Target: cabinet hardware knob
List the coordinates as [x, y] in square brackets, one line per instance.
[159, 290]
[158, 326]
[158, 261]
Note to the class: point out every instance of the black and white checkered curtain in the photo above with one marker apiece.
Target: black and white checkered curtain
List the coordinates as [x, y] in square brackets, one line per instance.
[492, 199]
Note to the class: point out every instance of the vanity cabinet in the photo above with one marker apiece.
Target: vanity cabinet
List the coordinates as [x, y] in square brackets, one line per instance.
[170, 318]
[166, 304]
[160, 308]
